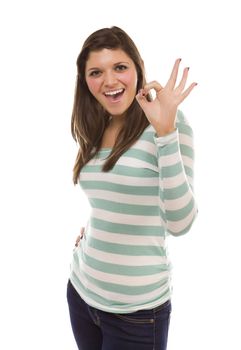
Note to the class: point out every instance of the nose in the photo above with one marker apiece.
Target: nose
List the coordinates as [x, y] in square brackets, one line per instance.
[110, 78]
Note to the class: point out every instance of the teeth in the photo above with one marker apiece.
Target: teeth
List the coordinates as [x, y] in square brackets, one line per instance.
[112, 93]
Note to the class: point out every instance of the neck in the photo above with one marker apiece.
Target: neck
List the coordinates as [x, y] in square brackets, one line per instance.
[116, 122]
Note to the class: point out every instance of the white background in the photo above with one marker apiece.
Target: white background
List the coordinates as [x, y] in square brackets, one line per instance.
[41, 211]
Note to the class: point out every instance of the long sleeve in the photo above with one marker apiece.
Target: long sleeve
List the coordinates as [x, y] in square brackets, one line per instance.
[175, 154]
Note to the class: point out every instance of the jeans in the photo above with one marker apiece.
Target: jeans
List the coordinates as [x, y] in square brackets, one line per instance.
[94, 329]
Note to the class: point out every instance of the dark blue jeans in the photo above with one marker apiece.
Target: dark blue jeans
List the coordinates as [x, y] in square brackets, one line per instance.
[98, 330]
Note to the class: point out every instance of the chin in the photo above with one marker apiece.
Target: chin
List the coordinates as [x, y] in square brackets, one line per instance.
[116, 113]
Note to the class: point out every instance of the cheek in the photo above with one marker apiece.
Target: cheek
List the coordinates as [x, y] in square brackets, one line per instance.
[130, 79]
[93, 86]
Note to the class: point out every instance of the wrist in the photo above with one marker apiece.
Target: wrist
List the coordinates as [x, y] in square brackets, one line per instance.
[161, 133]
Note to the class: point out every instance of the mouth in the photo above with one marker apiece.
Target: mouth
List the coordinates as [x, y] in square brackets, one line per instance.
[114, 95]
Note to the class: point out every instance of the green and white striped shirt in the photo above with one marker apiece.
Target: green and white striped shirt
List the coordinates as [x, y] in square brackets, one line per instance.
[122, 264]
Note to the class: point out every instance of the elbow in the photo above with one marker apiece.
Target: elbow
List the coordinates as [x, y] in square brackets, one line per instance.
[181, 227]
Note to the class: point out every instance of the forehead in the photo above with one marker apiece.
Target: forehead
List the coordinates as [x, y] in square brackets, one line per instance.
[107, 56]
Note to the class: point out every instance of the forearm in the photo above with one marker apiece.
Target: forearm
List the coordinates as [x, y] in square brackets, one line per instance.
[177, 204]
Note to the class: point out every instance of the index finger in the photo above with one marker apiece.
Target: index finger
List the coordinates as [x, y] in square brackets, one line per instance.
[153, 85]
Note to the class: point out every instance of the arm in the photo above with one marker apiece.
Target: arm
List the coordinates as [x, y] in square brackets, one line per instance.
[175, 161]
[177, 204]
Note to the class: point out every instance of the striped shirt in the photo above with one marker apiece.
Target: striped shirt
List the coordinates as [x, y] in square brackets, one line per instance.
[122, 264]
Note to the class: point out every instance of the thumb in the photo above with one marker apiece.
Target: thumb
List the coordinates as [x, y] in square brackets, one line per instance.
[141, 99]
[82, 231]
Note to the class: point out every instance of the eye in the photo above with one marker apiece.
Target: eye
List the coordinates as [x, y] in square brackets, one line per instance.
[94, 73]
[121, 67]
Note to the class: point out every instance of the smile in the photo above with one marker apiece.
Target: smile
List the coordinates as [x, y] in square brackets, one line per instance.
[114, 92]
[114, 96]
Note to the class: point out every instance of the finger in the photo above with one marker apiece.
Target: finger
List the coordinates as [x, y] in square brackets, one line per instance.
[82, 230]
[187, 92]
[142, 100]
[152, 85]
[183, 81]
[80, 236]
[77, 241]
[173, 77]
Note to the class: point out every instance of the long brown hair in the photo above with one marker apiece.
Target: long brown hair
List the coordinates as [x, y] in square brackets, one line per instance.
[89, 119]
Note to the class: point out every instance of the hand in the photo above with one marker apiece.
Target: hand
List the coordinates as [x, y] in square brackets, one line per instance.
[161, 112]
[80, 236]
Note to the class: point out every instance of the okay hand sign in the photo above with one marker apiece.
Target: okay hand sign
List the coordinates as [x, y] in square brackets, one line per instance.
[161, 112]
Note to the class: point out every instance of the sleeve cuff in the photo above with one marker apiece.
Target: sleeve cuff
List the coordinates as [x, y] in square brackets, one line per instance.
[167, 139]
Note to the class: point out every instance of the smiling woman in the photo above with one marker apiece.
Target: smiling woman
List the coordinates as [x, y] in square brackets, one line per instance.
[139, 189]
[99, 74]
[112, 79]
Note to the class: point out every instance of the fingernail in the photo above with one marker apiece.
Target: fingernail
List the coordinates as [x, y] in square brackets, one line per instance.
[141, 93]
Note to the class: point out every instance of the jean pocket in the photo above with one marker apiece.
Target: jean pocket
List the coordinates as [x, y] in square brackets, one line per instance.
[163, 312]
[139, 317]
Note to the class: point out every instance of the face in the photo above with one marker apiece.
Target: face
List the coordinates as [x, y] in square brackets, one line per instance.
[112, 79]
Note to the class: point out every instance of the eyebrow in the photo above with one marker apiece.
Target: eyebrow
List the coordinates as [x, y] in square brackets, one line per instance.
[115, 64]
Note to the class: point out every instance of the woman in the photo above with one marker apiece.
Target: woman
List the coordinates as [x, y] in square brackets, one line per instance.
[135, 164]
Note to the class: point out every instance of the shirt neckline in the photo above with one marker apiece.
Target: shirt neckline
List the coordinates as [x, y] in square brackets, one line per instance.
[105, 149]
